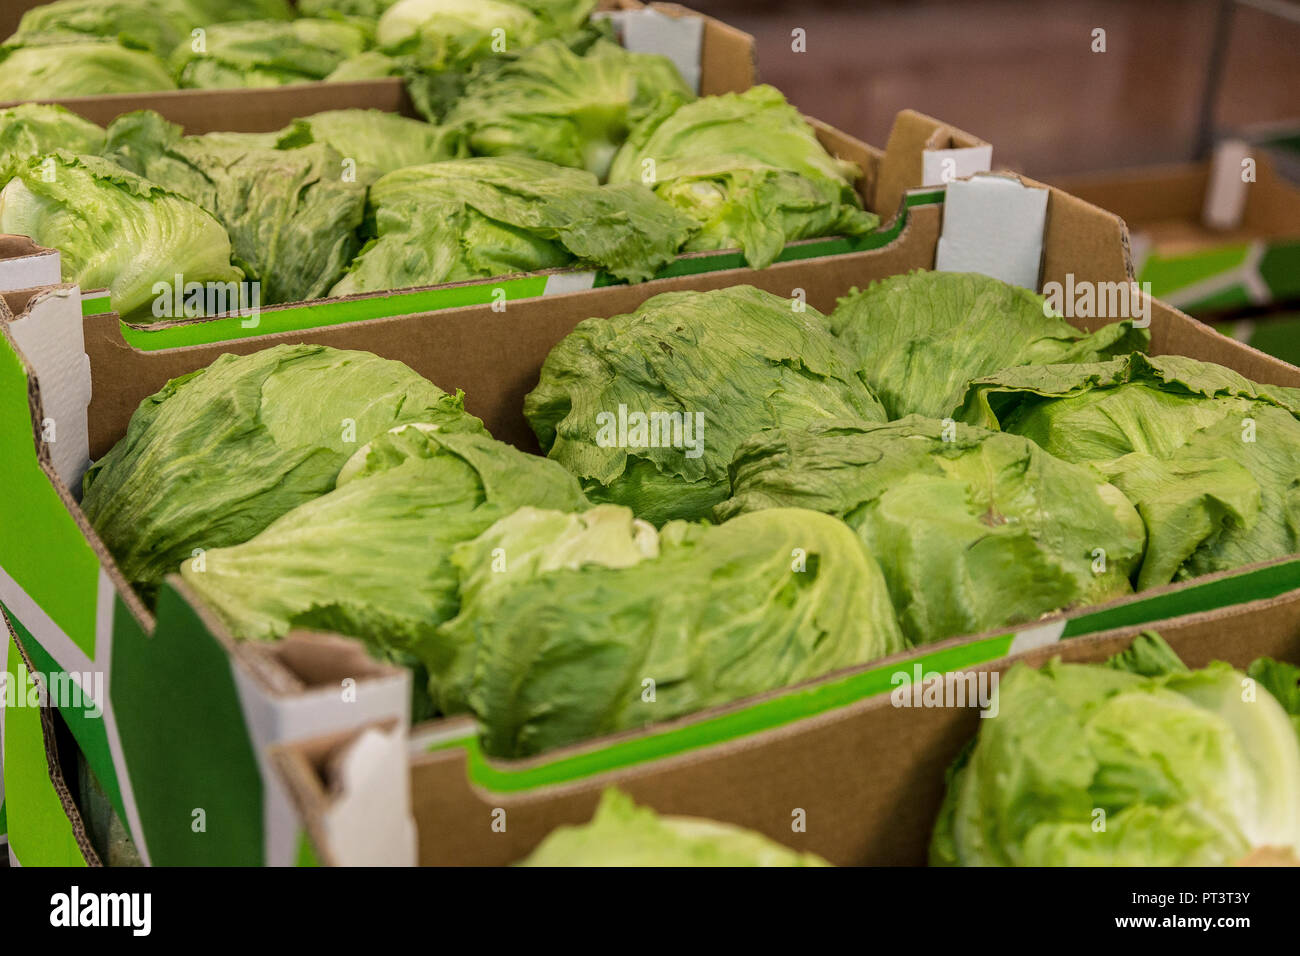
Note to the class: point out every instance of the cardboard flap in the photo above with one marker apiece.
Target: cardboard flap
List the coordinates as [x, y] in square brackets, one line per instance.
[994, 225]
[368, 821]
[911, 138]
[46, 326]
[25, 265]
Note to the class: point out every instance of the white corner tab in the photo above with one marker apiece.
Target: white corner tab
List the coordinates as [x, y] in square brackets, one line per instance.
[369, 822]
[940, 166]
[681, 39]
[993, 224]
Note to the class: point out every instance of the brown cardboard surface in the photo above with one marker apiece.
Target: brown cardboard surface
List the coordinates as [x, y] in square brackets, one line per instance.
[1165, 202]
[911, 135]
[869, 777]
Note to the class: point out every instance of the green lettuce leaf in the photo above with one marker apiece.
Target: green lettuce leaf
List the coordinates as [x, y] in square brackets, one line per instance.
[576, 625]
[749, 169]
[34, 129]
[726, 363]
[921, 337]
[553, 104]
[472, 218]
[1089, 765]
[454, 34]
[372, 558]
[113, 229]
[217, 455]
[623, 834]
[973, 529]
[380, 141]
[55, 67]
[259, 53]
[153, 25]
[1209, 458]
[292, 215]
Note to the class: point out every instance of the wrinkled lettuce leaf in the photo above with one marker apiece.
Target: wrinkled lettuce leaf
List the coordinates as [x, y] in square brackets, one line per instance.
[292, 214]
[215, 456]
[113, 229]
[553, 104]
[380, 141]
[1210, 459]
[268, 53]
[749, 169]
[739, 358]
[565, 617]
[624, 834]
[481, 217]
[974, 529]
[371, 558]
[921, 337]
[34, 129]
[55, 66]
[1090, 765]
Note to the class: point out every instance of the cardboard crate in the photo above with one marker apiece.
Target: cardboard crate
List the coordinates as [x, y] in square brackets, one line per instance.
[1202, 270]
[190, 713]
[866, 778]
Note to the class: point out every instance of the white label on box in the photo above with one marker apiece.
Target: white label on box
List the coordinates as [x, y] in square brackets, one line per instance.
[559, 283]
[681, 39]
[1225, 194]
[28, 272]
[50, 336]
[993, 224]
[941, 166]
[369, 823]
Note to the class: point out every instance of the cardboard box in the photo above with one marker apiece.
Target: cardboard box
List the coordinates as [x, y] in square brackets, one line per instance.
[866, 778]
[189, 712]
[1202, 270]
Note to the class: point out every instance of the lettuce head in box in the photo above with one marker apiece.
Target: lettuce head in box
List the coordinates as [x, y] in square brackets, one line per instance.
[268, 53]
[1185, 767]
[291, 214]
[445, 35]
[647, 409]
[217, 455]
[749, 169]
[52, 66]
[576, 625]
[921, 337]
[1211, 459]
[624, 834]
[375, 140]
[34, 129]
[153, 25]
[974, 529]
[471, 218]
[372, 557]
[554, 104]
[113, 229]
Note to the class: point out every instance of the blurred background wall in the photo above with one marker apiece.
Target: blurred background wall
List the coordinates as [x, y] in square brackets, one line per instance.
[1024, 76]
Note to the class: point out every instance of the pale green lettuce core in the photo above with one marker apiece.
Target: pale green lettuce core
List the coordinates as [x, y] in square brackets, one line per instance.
[749, 169]
[553, 104]
[217, 455]
[726, 363]
[473, 218]
[113, 229]
[624, 834]
[920, 338]
[372, 558]
[1210, 459]
[973, 529]
[582, 615]
[1140, 763]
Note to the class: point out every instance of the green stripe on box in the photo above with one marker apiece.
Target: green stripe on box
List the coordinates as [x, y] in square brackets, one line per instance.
[4, 818]
[89, 732]
[41, 834]
[1168, 274]
[1256, 585]
[41, 547]
[501, 777]
[306, 852]
[183, 740]
[1280, 269]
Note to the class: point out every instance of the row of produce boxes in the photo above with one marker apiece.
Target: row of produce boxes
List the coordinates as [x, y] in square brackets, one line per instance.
[213, 750]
